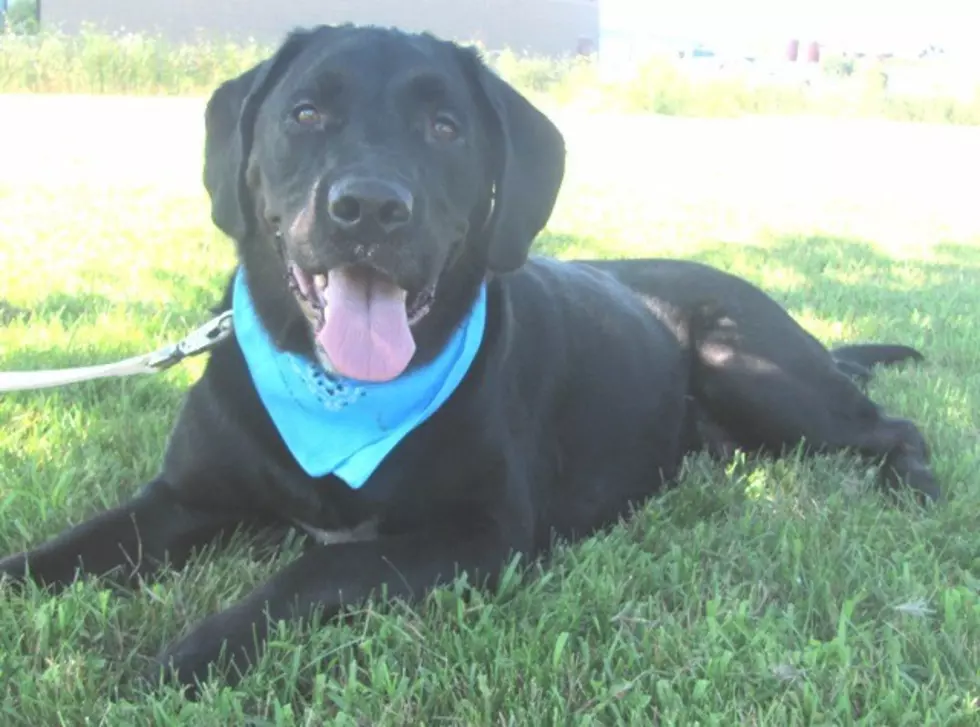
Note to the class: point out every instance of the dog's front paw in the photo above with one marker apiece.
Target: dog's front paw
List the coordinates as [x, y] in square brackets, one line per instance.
[13, 571]
[903, 469]
[214, 647]
[179, 666]
[187, 663]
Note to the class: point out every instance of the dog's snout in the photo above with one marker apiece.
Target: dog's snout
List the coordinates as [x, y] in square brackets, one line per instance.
[355, 203]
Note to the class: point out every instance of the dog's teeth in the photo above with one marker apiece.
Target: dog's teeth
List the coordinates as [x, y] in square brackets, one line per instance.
[320, 281]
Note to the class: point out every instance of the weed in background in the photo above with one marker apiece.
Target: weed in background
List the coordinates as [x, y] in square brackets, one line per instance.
[96, 62]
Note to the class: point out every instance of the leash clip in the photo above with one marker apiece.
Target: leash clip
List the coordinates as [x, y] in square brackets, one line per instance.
[196, 342]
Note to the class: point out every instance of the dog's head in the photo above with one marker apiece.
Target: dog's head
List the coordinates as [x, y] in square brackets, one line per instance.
[372, 179]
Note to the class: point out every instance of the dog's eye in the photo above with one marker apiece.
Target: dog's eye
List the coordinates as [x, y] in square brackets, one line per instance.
[444, 128]
[306, 114]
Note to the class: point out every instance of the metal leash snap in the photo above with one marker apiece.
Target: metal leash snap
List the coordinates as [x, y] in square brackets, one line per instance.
[196, 342]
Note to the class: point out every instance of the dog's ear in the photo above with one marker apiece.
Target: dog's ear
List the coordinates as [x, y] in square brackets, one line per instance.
[529, 164]
[229, 123]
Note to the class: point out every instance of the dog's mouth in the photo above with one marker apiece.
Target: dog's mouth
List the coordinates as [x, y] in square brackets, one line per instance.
[361, 319]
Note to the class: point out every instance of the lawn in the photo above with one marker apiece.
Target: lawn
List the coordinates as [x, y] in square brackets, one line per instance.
[756, 593]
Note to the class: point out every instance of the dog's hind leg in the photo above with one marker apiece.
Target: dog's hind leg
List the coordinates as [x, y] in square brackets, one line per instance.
[857, 373]
[869, 355]
[858, 360]
[769, 399]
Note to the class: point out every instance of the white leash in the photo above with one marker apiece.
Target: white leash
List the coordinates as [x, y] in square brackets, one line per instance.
[197, 342]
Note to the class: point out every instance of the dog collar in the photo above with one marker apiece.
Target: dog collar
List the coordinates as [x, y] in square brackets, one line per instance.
[335, 425]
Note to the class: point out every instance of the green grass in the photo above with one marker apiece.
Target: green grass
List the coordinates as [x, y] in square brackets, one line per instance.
[756, 593]
[96, 62]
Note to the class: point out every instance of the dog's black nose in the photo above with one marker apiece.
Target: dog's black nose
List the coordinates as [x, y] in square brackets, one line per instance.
[359, 202]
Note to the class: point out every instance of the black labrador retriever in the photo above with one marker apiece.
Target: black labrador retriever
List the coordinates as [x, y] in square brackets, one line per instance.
[410, 388]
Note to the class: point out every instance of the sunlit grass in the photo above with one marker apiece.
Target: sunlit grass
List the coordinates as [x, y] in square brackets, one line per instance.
[757, 593]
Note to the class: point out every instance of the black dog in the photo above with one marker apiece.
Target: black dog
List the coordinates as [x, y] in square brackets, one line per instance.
[382, 189]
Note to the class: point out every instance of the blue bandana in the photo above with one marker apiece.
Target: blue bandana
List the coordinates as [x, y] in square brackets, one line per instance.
[332, 424]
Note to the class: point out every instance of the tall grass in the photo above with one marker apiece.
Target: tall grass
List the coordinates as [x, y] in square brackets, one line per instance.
[664, 87]
[95, 62]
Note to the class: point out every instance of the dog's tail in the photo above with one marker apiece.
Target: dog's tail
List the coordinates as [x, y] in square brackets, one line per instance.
[857, 360]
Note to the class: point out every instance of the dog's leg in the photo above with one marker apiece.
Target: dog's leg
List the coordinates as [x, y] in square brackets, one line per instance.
[766, 406]
[857, 361]
[325, 579]
[868, 355]
[126, 543]
[857, 373]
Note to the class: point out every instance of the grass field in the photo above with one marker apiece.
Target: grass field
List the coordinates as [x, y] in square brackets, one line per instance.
[755, 594]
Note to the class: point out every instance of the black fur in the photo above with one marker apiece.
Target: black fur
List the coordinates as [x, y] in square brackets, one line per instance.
[593, 382]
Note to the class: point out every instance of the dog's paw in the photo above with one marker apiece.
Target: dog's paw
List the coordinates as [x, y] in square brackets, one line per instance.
[13, 572]
[213, 649]
[181, 668]
[904, 470]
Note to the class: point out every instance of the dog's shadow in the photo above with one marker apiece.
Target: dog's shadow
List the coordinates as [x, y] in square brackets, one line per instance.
[829, 278]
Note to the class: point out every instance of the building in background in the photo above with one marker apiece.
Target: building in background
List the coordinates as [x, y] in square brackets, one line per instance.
[540, 27]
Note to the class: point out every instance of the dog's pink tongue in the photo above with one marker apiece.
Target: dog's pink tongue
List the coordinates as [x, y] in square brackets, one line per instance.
[365, 329]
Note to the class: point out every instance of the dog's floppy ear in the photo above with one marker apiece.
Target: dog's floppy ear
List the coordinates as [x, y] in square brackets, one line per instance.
[529, 160]
[229, 122]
